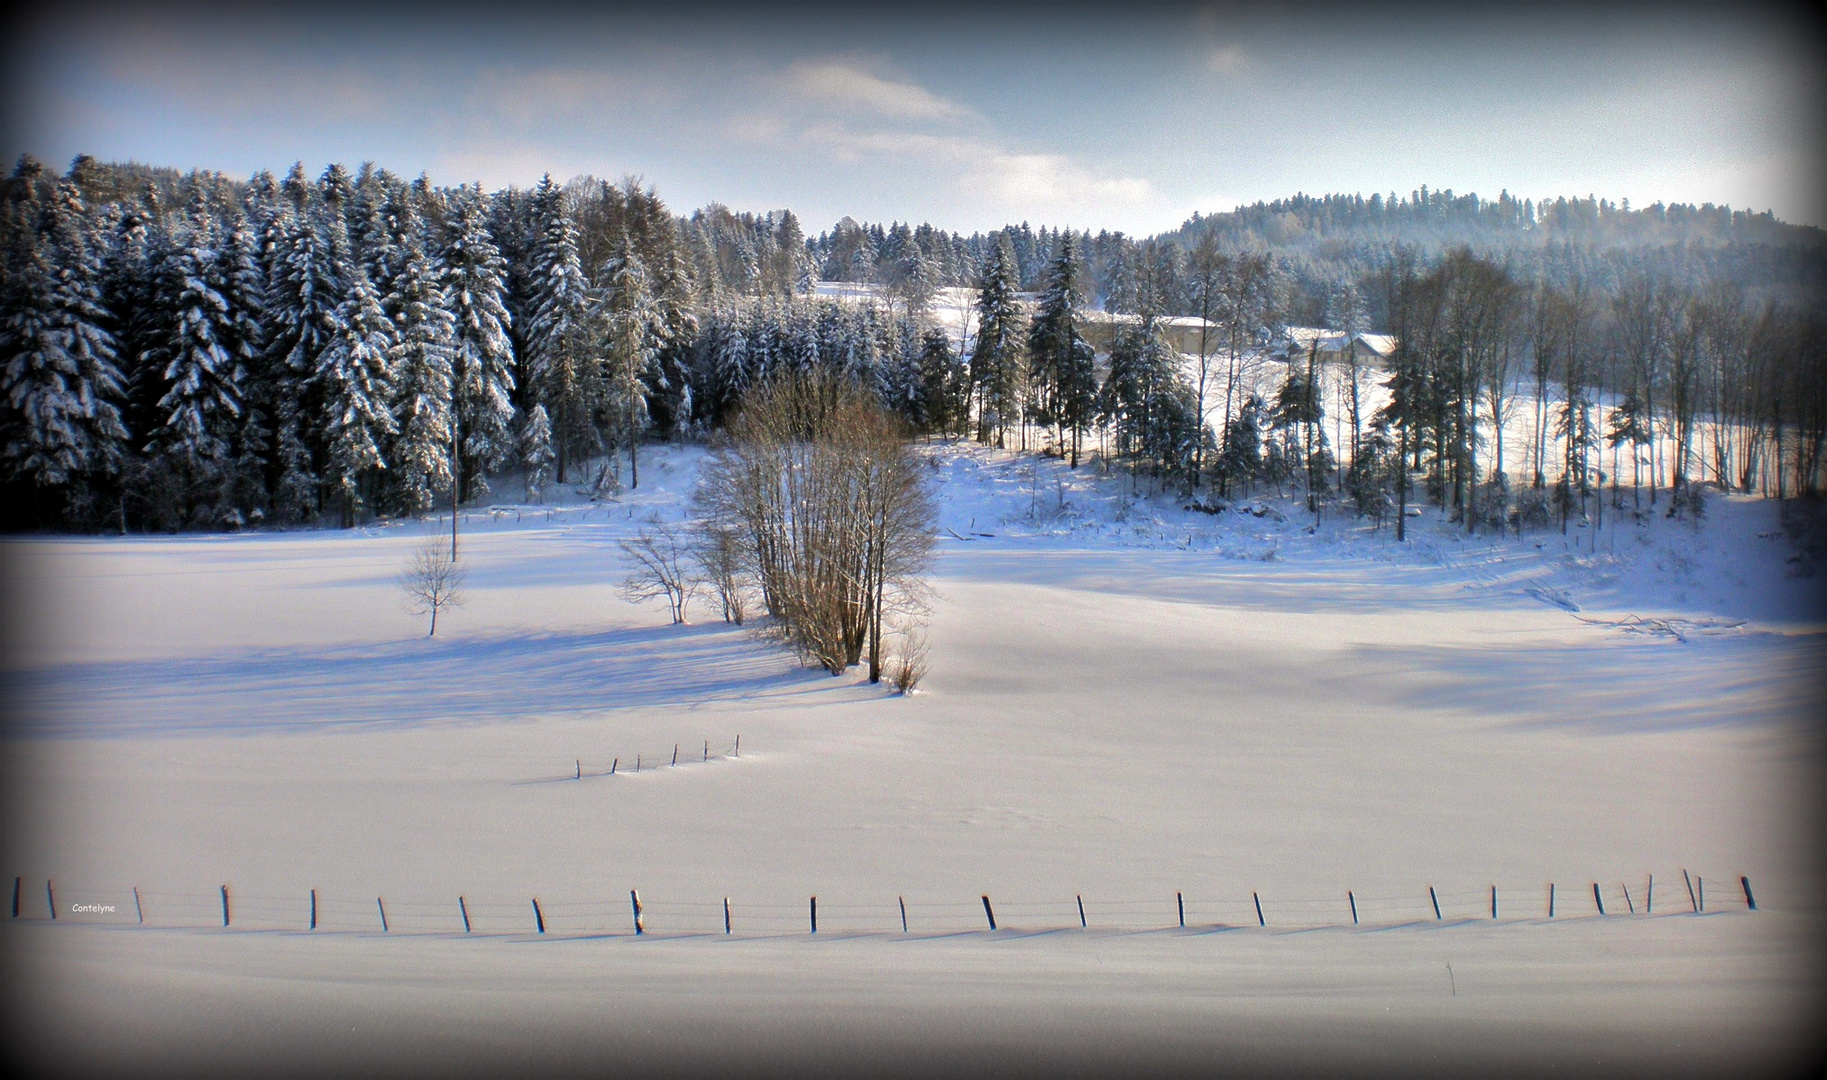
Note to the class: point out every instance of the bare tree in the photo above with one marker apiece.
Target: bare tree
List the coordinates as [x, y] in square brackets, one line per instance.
[719, 555]
[432, 580]
[662, 568]
[826, 497]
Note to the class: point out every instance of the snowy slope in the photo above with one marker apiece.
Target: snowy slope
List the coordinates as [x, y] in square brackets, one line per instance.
[1129, 700]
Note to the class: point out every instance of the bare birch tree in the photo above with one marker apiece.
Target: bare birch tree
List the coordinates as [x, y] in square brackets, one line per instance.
[432, 581]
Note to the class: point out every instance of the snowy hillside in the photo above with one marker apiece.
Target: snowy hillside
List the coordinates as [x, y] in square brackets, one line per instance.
[1145, 708]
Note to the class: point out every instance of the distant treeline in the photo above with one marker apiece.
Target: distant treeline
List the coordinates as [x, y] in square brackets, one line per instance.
[186, 350]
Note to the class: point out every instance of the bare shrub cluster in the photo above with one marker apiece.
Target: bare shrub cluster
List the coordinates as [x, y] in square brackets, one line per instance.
[821, 497]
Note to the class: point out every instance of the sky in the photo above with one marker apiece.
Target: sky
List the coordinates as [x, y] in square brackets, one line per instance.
[1126, 117]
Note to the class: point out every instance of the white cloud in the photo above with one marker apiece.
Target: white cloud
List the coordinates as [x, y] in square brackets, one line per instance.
[844, 84]
[1227, 60]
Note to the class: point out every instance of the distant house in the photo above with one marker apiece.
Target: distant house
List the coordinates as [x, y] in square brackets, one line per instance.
[1333, 346]
[1182, 332]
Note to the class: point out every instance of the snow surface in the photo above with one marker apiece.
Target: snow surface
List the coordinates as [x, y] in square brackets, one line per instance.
[1128, 700]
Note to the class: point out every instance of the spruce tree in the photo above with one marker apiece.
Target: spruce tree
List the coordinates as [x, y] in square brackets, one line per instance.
[634, 319]
[536, 453]
[996, 357]
[424, 329]
[563, 346]
[1061, 360]
[354, 373]
[475, 278]
[60, 387]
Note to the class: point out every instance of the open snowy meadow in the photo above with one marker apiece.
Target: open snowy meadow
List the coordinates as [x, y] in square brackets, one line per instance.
[1243, 792]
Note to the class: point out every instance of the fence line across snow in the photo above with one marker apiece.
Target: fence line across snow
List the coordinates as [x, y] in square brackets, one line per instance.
[316, 910]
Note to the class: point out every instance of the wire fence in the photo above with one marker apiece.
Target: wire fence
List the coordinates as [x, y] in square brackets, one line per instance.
[633, 914]
[681, 754]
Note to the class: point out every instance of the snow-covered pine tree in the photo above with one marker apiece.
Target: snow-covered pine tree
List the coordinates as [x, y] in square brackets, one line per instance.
[634, 323]
[424, 331]
[996, 358]
[536, 453]
[242, 276]
[475, 278]
[60, 386]
[1060, 359]
[354, 373]
[563, 336]
[200, 412]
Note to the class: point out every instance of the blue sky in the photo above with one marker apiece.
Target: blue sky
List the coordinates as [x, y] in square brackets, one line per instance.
[1126, 118]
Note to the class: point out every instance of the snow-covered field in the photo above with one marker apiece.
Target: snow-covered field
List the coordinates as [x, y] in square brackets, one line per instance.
[1128, 701]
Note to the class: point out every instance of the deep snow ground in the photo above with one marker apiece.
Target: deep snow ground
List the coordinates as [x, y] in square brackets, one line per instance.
[1128, 700]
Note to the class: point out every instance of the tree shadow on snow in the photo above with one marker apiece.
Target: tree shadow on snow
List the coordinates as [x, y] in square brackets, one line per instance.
[397, 684]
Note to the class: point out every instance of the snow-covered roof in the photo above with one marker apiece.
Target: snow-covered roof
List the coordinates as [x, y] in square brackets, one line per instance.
[1300, 339]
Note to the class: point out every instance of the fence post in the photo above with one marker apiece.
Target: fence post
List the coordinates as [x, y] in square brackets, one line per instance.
[1750, 901]
[613, 764]
[707, 750]
[50, 899]
[726, 915]
[675, 755]
[16, 883]
[1259, 918]
[1598, 900]
[1435, 900]
[1702, 885]
[382, 905]
[634, 898]
[1354, 906]
[1690, 891]
[991, 915]
[580, 769]
[1083, 925]
[539, 918]
[137, 910]
[637, 763]
[1629, 904]
[738, 744]
[815, 914]
[463, 908]
[1649, 897]
[903, 902]
[1551, 899]
[313, 906]
[1180, 905]
[225, 905]
[1493, 901]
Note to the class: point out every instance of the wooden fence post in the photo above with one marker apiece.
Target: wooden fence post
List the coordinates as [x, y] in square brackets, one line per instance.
[738, 744]
[707, 750]
[902, 900]
[313, 908]
[50, 899]
[675, 755]
[16, 883]
[1353, 900]
[1259, 918]
[1701, 884]
[1435, 900]
[1597, 900]
[1692, 901]
[634, 898]
[1083, 925]
[613, 764]
[1649, 897]
[987, 913]
[1750, 901]
[580, 769]
[137, 909]
[382, 905]
[726, 915]
[1493, 901]
[815, 914]
[1551, 899]
[539, 918]
[463, 909]
[225, 905]
[1629, 904]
